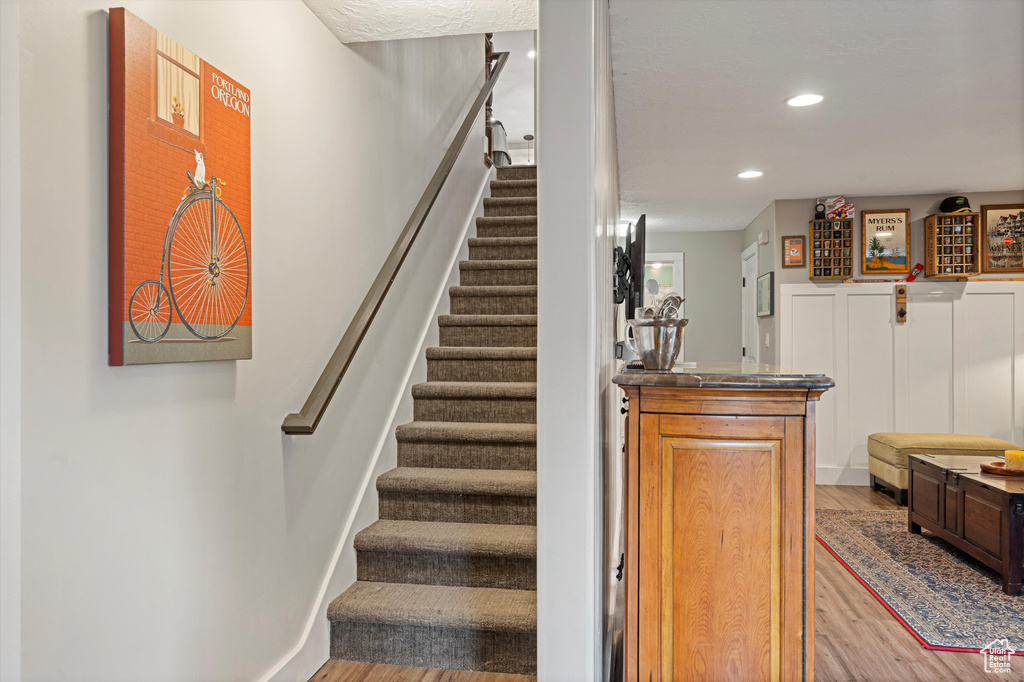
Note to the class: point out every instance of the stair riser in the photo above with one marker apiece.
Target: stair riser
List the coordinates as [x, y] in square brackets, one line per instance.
[450, 508]
[493, 305]
[452, 570]
[514, 192]
[489, 411]
[524, 252]
[506, 231]
[500, 209]
[481, 370]
[518, 456]
[434, 647]
[526, 173]
[488, 336]
[497, 278]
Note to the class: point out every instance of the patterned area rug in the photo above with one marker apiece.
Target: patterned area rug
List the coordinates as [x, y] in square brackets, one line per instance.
[946, 599]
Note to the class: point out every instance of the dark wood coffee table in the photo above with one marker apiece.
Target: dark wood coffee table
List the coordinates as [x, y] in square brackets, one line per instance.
[978, 513]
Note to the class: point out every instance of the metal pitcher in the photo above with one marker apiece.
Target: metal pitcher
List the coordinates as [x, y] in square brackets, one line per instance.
[656, 342]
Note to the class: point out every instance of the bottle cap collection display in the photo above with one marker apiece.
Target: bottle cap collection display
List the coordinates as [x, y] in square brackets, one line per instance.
[832, 246]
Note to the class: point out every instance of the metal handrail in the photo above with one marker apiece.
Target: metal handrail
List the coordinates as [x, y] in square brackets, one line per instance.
[305, 421]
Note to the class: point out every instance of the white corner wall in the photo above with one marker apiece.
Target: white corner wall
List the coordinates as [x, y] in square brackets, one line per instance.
[10, 348]
[577, 421]
[170, 531]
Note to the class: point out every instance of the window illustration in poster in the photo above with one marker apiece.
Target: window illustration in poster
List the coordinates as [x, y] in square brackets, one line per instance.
[180, 205]
[885, 241]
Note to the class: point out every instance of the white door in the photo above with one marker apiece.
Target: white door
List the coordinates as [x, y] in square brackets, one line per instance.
[748, 352]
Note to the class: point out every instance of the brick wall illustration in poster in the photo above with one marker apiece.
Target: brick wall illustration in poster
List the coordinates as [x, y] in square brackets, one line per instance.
[180, 212]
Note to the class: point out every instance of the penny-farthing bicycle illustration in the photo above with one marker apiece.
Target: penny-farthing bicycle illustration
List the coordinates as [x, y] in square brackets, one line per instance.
[206, 263]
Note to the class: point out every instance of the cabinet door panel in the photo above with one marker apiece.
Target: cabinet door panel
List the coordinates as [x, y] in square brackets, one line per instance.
[721, 553]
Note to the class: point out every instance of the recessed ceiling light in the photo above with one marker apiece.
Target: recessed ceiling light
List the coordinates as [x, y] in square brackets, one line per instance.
[531, 54]
[750, 174]
[655, 266]
[804, 100]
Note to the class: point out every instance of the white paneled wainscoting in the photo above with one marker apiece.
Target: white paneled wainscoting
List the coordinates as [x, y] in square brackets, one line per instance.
[955, 366]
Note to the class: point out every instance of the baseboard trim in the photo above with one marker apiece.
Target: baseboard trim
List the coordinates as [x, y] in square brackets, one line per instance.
[841, 476]
[310, 652]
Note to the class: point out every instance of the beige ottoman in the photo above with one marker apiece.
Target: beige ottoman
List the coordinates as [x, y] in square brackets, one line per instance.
[887, 454]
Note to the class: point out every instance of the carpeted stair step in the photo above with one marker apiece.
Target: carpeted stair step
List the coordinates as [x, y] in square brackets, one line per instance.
[481, 364]
[513, 188]
[506, 226]
[475, 401]
[521, 300]
[473, 273]
[454, 554]
[488, 330]
[503, 248]
[461, 628]
[484, 496]
[522, 172]
[510, 206]
[467, 445]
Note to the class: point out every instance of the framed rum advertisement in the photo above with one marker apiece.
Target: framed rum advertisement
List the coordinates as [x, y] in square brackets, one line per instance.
[180, 204]
[1002, 238]
[793, 252]
[885, 241]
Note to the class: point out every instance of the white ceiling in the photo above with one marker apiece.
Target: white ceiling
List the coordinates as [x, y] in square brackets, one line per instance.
[513, 93]
[356, 21]
[920, 97]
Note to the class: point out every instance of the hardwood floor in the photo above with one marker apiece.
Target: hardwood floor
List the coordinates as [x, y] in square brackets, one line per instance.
[857, 638]
[350, 671]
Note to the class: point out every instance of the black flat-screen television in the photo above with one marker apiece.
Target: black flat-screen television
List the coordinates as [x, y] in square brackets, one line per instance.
[636, 254]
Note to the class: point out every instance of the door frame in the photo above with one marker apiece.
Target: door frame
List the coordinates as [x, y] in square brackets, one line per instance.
[748, 318]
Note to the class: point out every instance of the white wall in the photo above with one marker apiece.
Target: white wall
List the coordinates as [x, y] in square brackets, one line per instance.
[712, 288]
[577, 421]
[10, 348]
[170, 531]
[955, 366]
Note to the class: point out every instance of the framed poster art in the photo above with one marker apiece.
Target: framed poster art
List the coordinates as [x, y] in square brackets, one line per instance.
[766, 295]
[885, 241]
[793, 252]
[1002, 238]
[180, 206]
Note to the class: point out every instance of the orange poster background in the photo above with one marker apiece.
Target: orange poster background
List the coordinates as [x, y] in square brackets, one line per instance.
[155, 157]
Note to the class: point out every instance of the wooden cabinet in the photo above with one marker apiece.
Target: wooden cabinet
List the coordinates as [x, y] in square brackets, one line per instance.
[951, 244]
[719, 530]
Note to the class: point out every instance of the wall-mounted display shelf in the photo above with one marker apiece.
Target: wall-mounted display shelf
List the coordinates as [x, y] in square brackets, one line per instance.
[951, 244]
[831, 249]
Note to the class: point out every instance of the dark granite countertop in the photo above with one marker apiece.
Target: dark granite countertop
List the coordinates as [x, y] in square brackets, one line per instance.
[724, 375]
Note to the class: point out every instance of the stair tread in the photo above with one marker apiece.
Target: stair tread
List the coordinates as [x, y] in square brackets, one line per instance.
[466, 432]
[513, 184]
[487, 320]
[524, 264]
[493, 290]
[482, 353]
[508, 219]
[506, 482]
[437, 537]
[521, 390]
[476, 608]
[502, 241]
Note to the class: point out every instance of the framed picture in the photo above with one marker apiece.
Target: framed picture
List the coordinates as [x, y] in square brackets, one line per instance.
[766, 295]
[793, 252]
[1001, 240]
[885, 241]
[180, 203]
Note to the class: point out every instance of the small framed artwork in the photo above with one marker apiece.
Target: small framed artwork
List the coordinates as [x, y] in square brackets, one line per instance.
[766, 295]
[1001, 238]
[793, 252]
[885, 241]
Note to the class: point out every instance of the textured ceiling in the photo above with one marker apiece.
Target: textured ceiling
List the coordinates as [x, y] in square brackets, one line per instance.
[920, 97]
[357, 21]
[513, 93]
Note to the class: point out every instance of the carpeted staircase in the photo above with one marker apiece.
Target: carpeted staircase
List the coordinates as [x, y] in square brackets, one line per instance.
[447, 576]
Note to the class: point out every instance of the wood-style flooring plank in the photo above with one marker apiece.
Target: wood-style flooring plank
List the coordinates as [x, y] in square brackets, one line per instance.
[857, 639]
[354, 671]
